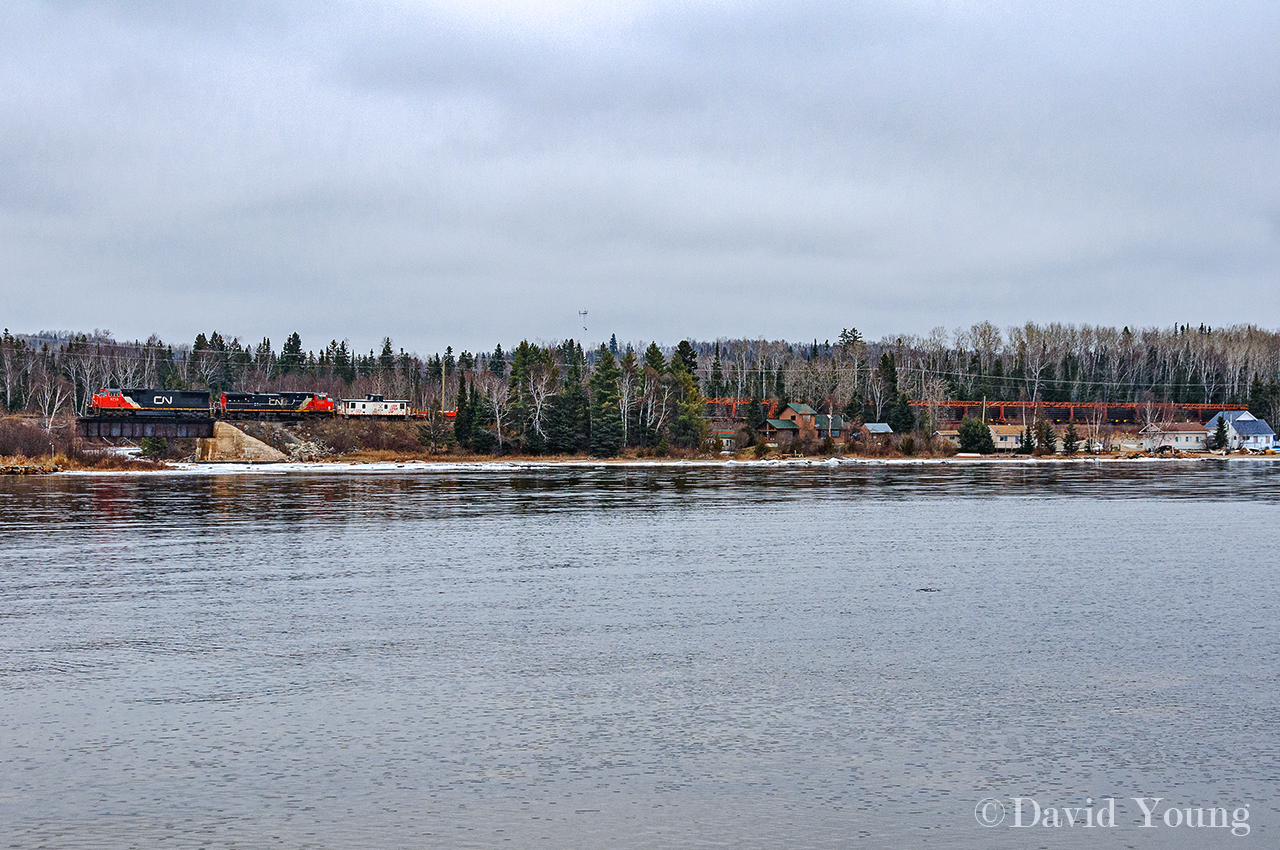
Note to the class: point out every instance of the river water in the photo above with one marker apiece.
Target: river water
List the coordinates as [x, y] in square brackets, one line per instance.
[640, 657]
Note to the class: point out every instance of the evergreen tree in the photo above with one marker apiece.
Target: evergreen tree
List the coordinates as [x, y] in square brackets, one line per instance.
[613, 344]
[386, 359]
[1220, 436]
[715, 387]
[1046, 440]
[976, 437]
[1258, 398]
[483, 440]
[654, 360]
[263, 356]
[854, 408]
[606, 418]
[901, 418]
[498, 362]
[689, 428]
[568, 420]
[887, 373]
[1028, 441]
[462, 419]
[291, 359]
[685, 357]
[1070, 440]
[755, 415]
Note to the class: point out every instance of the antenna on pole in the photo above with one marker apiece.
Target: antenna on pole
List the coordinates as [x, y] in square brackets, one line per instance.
[582, 316]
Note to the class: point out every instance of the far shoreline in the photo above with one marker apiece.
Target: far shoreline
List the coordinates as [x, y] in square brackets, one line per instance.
[420, 465]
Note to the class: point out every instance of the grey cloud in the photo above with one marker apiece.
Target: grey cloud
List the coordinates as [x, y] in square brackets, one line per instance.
[766, 168]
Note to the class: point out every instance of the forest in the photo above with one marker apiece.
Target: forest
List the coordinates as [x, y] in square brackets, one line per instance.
[564, 398]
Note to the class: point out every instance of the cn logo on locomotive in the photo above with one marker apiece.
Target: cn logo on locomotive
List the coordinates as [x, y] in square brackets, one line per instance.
[162, 399]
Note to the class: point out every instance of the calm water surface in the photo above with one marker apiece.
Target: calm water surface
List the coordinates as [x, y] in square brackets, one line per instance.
[637, 657]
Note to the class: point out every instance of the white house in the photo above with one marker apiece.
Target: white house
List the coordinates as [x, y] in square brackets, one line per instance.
[1007, 438]
[1179, 436]
[1244, 430]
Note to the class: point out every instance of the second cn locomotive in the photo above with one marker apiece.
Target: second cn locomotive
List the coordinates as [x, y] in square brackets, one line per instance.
[274, 405]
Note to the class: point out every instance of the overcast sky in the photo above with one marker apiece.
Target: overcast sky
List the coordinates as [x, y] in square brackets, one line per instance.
[478, 172]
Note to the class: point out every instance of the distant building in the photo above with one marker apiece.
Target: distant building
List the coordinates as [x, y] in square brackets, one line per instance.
[1179, 436]
[878, 429]
[1007, 438]
[1244, 430]
[798, 420]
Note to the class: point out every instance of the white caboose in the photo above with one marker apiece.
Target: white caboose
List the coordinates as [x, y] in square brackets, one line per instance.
[375, 405]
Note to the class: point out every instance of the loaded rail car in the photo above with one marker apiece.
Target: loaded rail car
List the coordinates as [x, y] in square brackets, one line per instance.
[292, 405]
[375, 407]
[169, 404]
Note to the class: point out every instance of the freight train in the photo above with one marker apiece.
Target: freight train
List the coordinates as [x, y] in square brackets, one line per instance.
[190, 404]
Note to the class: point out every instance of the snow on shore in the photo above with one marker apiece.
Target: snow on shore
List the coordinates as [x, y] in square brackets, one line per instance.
[428, 467]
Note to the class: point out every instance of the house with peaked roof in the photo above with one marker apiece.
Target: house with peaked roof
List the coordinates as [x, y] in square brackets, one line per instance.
[1007, 438]
[1179, 436]
[796, 420]
[1244, 430]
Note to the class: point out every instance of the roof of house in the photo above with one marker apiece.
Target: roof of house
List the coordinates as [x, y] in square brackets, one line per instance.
[1230, 415]
[783, 424]
[878, 428]
[1173, 428]
[1006, 429]
[1253, 428]
[802, 409]
[822, 422]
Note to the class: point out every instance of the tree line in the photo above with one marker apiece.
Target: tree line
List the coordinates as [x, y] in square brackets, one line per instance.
[566, 398]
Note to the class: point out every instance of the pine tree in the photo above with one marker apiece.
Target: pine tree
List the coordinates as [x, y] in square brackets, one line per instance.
[462, 418]
[1046, 440]
[689, 429]
[685, 358]
[887, 373]
[1070, 440]
[483, 440]
[976, 437]
[1220, 436]
[1258, 398]
[853, 410]
[1028, 441]
[755, 415]
[606, 419]
[291, 355]
[654, 360]
[569, 421]
[901, 418]
[715, 387]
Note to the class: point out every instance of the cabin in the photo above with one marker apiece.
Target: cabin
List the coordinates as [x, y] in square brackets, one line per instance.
[1007, 438]
[801, 420]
